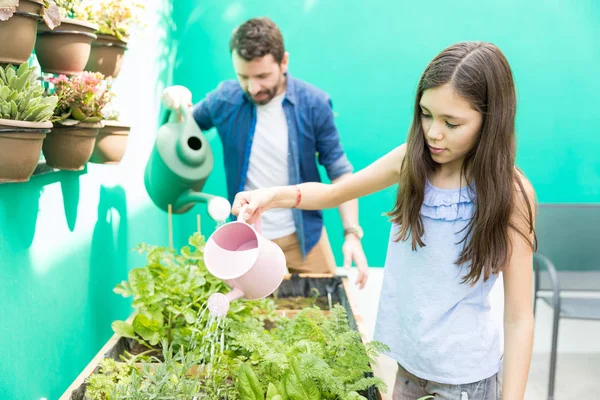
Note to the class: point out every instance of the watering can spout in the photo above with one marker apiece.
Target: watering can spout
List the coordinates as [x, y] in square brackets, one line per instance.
[218, 303]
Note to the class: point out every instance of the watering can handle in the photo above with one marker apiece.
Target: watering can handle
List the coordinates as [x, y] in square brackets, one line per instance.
[257, 224]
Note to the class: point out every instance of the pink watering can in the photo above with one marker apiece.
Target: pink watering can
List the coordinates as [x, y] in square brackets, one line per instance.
[250, 264]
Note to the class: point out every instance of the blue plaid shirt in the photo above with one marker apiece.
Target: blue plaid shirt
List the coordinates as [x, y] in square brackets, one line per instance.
[312, 135]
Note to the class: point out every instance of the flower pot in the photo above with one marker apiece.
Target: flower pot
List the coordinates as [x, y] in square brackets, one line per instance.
[20, 148]
[17, 35]
[66, 49]
[70, 147]
[110, 143]
[106, 55]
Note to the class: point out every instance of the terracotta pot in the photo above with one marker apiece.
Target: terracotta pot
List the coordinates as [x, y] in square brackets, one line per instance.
[110, 143]
[107, 55]
[66, 49]
[17, 35]
[20, 148]
[70, 147]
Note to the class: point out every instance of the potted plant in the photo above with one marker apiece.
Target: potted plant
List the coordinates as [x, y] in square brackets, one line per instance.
[77, 119]
[115, 19]
[18, 27]
[24, 121]
[112, 138]
[66, 49]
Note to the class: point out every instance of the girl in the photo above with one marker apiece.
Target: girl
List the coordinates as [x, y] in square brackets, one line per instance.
[463, 214]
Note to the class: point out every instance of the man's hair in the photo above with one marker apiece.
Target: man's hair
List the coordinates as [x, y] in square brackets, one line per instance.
[256, 38]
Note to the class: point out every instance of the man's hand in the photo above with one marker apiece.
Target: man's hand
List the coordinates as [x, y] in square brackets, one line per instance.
[174, 97]
[353, 251]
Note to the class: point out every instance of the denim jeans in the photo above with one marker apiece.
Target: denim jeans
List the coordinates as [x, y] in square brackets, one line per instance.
[411, 387]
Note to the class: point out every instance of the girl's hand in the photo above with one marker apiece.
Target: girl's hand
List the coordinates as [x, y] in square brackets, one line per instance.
[253, 203]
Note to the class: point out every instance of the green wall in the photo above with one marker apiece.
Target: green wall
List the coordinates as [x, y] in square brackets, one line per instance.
[66, 240]
[369, 58]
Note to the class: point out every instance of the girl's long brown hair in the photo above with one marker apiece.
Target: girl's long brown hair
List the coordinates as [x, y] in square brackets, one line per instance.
[480, 73]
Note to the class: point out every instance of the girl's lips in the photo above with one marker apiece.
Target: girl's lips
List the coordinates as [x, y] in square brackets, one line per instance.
[435, 150]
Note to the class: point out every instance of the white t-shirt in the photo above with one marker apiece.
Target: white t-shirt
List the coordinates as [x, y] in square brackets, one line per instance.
[268, 164]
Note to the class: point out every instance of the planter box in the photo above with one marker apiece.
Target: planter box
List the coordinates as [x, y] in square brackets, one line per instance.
[337, 288]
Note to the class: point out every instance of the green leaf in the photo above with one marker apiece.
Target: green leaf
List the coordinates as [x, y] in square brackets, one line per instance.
[14, 110]
[123, 289]
[272, 392]
[3, 80]
[299, 386]
[22, 79]
[190, 316]
[10, 75]
[145, 327]
[248, 384]
[77, 113]
[23, 68]
[5, 92]
[124, 329]
[141, 282]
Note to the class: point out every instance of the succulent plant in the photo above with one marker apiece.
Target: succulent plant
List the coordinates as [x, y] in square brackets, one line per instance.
[22, 97]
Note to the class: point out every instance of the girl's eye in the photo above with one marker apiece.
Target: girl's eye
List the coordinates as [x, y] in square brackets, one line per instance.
[450, 126]
[425, 115]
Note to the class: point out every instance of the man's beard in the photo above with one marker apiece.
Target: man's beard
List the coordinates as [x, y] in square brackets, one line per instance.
[265, 95]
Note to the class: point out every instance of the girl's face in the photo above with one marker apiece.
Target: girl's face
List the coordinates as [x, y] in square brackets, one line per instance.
[450, 125]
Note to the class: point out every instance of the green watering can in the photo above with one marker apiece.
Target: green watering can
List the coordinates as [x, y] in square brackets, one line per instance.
[179, 165]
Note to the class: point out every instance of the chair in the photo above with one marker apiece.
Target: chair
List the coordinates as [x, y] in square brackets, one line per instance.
[567, 260]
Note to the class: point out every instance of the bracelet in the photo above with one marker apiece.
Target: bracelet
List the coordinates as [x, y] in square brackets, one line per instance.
[298, 196]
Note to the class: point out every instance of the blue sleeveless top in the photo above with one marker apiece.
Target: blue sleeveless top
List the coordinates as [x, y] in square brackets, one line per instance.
[438, 328]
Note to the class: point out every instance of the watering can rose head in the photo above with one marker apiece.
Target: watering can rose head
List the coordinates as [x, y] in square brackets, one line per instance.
[81, 97]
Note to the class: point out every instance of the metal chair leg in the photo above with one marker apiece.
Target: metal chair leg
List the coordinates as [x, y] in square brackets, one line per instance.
[554, 350]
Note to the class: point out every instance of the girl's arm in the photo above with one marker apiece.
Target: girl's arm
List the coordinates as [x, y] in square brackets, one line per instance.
[318, 196]
[518, 304]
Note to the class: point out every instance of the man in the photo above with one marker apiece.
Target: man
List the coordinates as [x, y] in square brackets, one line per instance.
[272, 125]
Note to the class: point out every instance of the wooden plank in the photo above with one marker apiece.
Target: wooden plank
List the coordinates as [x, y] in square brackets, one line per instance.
[92, 365]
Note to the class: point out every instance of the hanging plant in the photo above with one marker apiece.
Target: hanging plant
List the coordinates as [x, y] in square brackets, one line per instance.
[77, 119]
[116, 20]
[81, 98]
[25, 112]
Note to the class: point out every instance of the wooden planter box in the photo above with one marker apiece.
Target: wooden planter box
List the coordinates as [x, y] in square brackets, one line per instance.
[337, 288]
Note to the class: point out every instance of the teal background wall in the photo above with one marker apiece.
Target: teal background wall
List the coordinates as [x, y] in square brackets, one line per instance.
[369, 57]
[65, 238]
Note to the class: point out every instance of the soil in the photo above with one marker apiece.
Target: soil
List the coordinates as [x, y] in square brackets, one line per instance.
[140, 348]
[299, 303]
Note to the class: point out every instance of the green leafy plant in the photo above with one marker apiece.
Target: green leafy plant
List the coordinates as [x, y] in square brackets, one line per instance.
[115, 17]
[310, 357]
[72, 9]
[100, 386]
[82, 97]
[22, 96]
[170, 293]
[158, 379]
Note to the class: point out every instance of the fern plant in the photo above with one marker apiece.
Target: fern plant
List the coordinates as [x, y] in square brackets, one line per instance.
[22, 96]
[311, 357]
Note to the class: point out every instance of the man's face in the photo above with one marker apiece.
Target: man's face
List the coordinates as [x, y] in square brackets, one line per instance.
[262, 78]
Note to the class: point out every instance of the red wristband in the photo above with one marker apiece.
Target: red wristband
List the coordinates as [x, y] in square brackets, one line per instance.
[298, 196]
